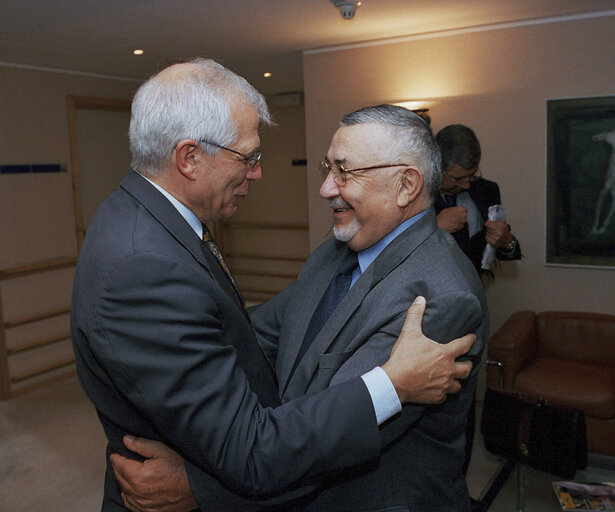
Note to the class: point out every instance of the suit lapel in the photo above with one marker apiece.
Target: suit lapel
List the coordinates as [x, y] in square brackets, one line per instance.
[391, 257]
[168, 216]
[309, 302]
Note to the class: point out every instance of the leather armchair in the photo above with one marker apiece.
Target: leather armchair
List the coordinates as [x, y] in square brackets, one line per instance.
[567, 358]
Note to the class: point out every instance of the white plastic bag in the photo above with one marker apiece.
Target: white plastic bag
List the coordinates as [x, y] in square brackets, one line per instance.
[495, 212]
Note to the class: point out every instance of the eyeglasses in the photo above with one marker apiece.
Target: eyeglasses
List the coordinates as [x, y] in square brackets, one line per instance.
[250, 160]
[470, 177]
[341, 175]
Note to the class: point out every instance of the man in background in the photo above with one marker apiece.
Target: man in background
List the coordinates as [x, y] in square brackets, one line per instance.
[465, 197]
[380, 175]
[462, 210]
[163, 345]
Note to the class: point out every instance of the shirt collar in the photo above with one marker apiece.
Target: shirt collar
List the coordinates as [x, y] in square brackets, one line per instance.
[367, 256]
[183, 210]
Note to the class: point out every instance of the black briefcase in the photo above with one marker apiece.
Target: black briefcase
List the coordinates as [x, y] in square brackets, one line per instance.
[534, 432]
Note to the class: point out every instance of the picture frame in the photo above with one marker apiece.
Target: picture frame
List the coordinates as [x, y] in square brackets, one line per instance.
[580, 223]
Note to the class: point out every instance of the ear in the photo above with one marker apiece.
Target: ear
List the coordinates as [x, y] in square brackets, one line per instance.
[410, 186]
[187, 154]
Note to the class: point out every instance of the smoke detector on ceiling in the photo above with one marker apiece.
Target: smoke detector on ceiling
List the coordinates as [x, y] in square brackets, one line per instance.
[347, 9]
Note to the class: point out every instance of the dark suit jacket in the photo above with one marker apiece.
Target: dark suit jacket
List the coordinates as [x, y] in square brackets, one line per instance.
[164, 351]
[484, 193]
[422, 470]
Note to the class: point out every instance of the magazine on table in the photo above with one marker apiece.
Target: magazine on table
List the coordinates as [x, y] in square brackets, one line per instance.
[580, 496]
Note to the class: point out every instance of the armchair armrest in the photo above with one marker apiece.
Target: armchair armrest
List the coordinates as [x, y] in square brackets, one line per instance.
[514, 345]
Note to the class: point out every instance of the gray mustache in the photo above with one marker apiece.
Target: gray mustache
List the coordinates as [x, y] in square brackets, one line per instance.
[338, 202]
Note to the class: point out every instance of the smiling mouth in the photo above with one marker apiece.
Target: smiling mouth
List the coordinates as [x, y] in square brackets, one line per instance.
[338, 205]
[342, 210]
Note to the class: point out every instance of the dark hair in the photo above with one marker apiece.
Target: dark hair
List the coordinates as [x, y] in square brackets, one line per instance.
[458, 145]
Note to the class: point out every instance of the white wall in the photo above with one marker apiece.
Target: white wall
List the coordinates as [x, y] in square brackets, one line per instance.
[497, 82]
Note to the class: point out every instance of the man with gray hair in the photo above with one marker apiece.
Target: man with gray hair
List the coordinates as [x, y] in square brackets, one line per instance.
[163, 345]
[380, 175]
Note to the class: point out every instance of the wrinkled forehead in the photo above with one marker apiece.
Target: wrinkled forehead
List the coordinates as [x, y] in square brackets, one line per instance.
[359, 143]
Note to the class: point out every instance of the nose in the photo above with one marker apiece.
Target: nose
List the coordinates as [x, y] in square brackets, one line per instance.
[329, 188]
[465, 184]
[255, 173]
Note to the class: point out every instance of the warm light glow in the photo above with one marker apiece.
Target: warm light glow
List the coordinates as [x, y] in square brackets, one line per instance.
[138, 52]
[412, 105]
[267, 74]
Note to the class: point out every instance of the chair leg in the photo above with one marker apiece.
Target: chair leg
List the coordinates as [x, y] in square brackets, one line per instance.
[493, 487]
[520, 488]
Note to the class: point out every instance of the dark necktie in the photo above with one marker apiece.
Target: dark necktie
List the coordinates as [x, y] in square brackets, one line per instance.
[450, 200]
[215, 250]
[463, 235]
[338, 288]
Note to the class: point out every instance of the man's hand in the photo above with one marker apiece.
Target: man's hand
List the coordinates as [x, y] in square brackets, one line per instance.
[421, 370]
[159, 484]
[452, 219]
[497, 233]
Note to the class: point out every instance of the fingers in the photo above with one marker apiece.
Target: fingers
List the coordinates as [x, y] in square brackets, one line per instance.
[461, 346]
[454, 387]
[122, 467]
[130, 503]
[462, 371]
[414, 317]
[145, 447]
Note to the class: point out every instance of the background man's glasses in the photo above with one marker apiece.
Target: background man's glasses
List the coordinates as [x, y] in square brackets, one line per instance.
[250, 160]
[341, 175]
[470, 177]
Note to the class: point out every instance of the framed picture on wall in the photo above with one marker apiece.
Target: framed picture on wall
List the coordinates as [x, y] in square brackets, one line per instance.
[581, 182]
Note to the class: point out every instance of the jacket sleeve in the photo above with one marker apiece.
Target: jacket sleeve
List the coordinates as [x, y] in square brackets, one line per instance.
[447, 317]
[161, 338]
[267, 320]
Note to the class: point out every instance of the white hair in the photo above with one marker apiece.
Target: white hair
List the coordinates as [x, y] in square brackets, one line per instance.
[195, 106]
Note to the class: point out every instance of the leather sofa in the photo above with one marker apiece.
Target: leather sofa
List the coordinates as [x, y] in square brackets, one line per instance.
[567, 358]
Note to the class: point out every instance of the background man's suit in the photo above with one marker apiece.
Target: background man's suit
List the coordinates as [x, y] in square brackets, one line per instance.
[164, 351]
[423, 467]
[484, 193]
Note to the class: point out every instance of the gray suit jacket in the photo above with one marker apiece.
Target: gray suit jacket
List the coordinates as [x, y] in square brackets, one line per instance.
[164, 351]
[422, 470]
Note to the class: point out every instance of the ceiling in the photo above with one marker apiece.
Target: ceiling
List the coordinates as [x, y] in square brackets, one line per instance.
[249, 36]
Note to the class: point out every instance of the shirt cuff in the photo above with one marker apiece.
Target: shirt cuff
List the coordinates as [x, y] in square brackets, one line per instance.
[384, 397]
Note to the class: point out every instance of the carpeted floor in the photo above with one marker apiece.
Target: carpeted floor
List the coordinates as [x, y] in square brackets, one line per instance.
[52, 458]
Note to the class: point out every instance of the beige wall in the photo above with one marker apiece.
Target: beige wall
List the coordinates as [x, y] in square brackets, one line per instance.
[279, 198]
[37, 221]
[497, 82]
